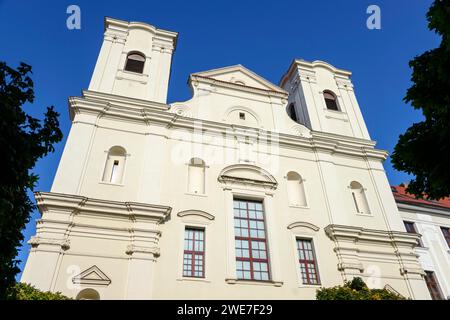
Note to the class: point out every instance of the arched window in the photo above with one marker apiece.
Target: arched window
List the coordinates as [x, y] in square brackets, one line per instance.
[359, 198]
[135, 62]
[292, 113]
[196, 176]
[296, 189]
[330, 100]
[115, 165]
[88, 294]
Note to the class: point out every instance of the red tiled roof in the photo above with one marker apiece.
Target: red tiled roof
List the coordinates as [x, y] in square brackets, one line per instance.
[401, 195]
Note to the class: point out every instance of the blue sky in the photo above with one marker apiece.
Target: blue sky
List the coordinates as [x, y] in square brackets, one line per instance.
[264, 36]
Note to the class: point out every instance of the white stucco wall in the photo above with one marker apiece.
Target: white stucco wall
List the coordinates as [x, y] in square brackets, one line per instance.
[133, 231]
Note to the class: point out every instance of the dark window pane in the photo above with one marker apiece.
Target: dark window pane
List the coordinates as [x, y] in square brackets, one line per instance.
[433, 286]
[411, 228]
[331, 104]
[446, 233]
[292, 113]
[135, 63]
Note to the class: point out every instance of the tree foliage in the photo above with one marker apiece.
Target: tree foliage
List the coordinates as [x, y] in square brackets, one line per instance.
[355, 290]
[23, 140]
[24, 291]
[424, 149]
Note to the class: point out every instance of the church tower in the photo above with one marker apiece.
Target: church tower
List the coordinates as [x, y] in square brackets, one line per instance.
[321, 97]
[134, 61]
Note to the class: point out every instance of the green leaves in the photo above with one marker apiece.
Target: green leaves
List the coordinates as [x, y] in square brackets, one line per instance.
[24, 291]
[424, 149]
[355, 290]
[23, 140]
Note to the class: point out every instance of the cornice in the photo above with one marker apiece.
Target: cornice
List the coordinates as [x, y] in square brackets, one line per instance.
[341, 232]
[47, 201]
[123, 27]
[305, 66]
[149, 112]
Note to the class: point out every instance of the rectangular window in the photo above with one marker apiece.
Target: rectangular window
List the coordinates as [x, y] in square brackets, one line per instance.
[433, 286]
[446, 233]
[411, 228]
[194, 253]
[308, 262]
[252, 260]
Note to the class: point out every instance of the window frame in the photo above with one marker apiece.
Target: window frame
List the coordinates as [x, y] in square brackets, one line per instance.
[436, 292]
[338, 109]
[128, 59]
[292, 112]
[249, 240]
[446, 235]
[314, 261]
[412, 231]
[107, 173]
[194, 253]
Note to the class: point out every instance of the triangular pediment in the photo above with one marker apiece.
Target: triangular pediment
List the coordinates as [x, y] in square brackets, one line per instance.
[92, 275]
[240, 75]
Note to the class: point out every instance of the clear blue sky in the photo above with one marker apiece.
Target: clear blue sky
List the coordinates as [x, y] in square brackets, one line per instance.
[262, 35]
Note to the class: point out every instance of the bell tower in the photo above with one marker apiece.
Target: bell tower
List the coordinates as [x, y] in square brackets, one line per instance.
[134, 61]
[323, 99]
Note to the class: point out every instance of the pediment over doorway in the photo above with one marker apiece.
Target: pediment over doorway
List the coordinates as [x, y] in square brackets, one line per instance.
[92, 275]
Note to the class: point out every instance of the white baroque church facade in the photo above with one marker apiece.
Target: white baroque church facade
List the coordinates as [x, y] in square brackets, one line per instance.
[249, 190]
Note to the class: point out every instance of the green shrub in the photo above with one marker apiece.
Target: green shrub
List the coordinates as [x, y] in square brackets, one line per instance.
[24, 291]
[355, 290]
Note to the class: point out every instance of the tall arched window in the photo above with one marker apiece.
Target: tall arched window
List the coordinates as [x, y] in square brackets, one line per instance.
[196, 176]
[330, 100]
[292, 113]
[115, 165]
[296, 189]
[359, 198]
[135, 62]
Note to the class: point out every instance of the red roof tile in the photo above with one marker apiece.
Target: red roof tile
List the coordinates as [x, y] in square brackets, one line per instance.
[401, 195]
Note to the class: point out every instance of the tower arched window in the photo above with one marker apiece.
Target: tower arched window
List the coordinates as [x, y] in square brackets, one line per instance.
[296, 189]
[135, 62]
[115, 165]
[196, 176]
[359, 198]
[330, 100]
[292, 113]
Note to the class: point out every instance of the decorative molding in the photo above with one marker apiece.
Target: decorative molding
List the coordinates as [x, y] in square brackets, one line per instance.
[345, 266]
[247, 174]
[405, 271]
[134, 110]
[302, 224]
[254, 282]
[140, 249]
[199, 213]
[268, 86]
[338, 232]
[392, 290]
[92, 276]
[79, 204]
[36, 241]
